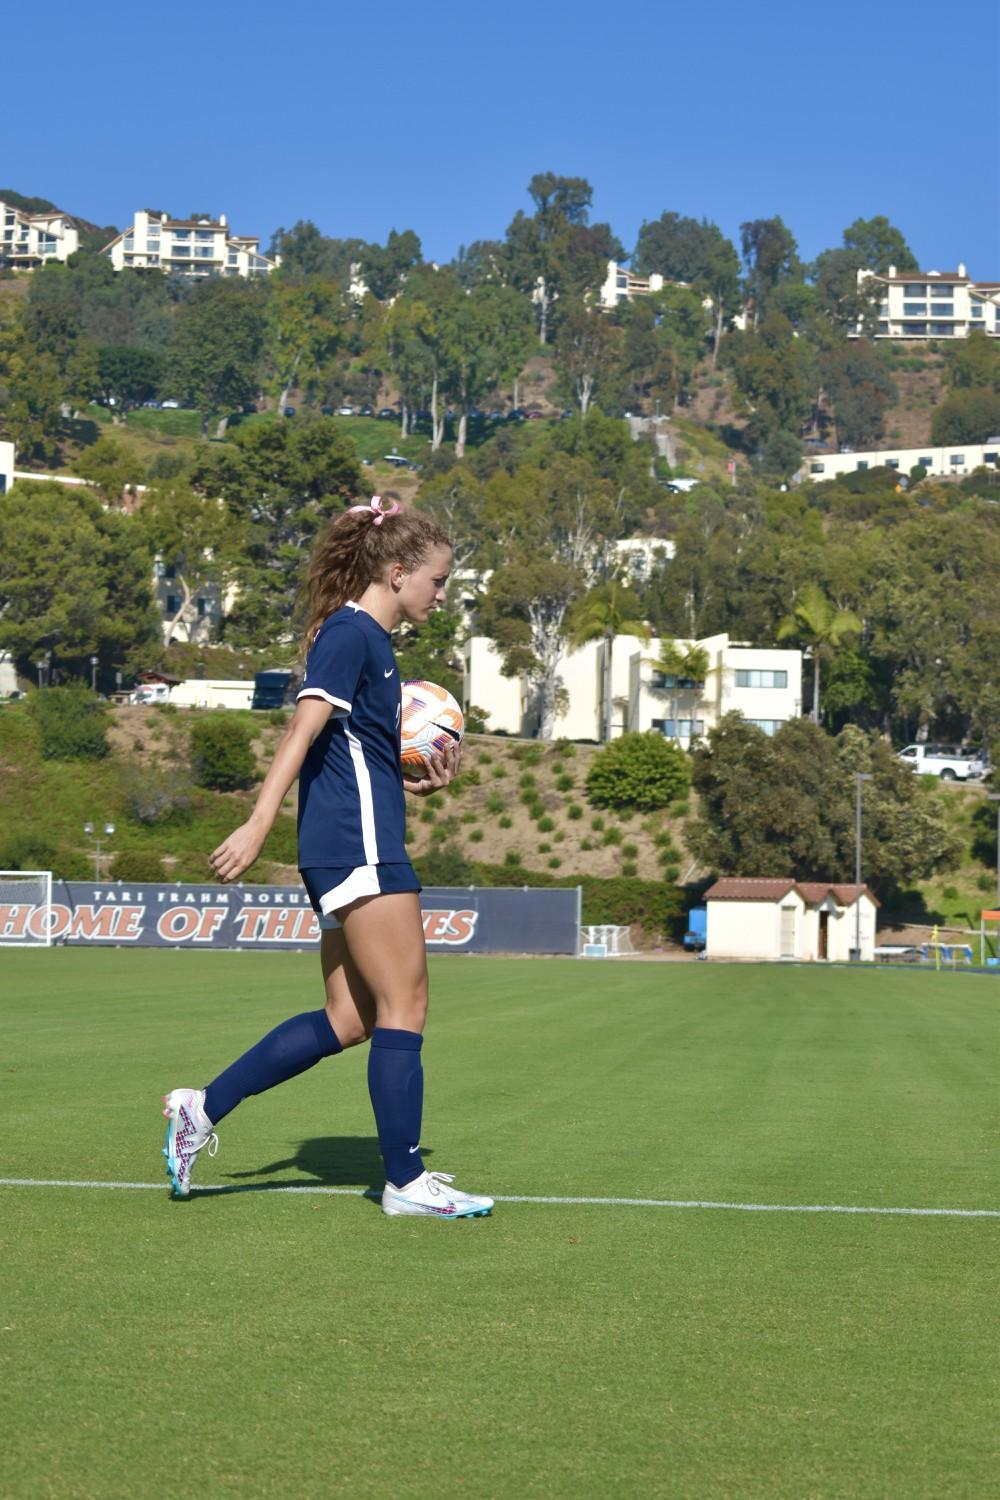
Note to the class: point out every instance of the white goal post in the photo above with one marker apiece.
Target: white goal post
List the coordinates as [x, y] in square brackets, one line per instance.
[25, 902]
[604, 941]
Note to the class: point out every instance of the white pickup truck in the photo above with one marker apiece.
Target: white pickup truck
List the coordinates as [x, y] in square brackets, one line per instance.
[944, 761]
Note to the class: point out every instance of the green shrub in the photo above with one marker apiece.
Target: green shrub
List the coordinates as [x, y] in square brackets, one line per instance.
[498, 773]
[558, 767]
[555, 862]
[563, 748]
[984, 881]
[476, 836]
[641, 771]
[447, 865]
[485, 758]
[629, 868]
[544, 847]
[468, 778]
[658, 908]
[526, 780]
[528, 755]
[29, 850]
[495, 803]
[564, 783]
[630, 851]
[154, 795]
[682, 808]
[558, 836]
[950, 893]
[469, 817]
[137, 864]
[409, 834]
[672, 873]
[505, 821]
[193, 864]
[529, 797]
[586, 845]
[221, 757]
[72, 722]
[439, 834]
[612, 836]
[597, 824]
[428, 815]
[512, 857]
[545, 824]
[574, 812]
[168, 710]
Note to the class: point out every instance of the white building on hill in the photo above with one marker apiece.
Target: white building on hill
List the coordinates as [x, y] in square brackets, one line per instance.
[762, 683]
[192, 247]
[935, 304]
[954, 461]
[28, 240]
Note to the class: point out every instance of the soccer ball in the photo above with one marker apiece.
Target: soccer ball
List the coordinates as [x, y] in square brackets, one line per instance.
[431, 720]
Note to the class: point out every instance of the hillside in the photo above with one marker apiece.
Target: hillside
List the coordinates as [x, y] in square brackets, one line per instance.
[519, 807]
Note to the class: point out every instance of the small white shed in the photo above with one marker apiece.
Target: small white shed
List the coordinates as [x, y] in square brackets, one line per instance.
[784, 918]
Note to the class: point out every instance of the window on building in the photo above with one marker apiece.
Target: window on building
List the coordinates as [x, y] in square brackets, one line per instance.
[942, 330]
[914, 330]
[892, 463]
[182, 250]
[8, 234]
[990, 458]
[914, 309]
[915, 289]
[957, 458]
[883, 327]
[204, 234]
[760, 677]
[204, 607]
[129, 259]
[683, 730]
[173, 604]
[862, 463]
[153, 244]
[769, 726]
[942, 291]
[977, 310]
[941, 309]
[669, 681]
[204, 251]
[815, 468]
[182, 234]
[232, 258]
[925, 463]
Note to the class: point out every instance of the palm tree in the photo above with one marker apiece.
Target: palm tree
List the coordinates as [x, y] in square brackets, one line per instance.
[687, 663]
[609, 610]
[817, 622]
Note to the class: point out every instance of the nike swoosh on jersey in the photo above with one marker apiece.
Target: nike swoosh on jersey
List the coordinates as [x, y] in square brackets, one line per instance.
[389, 673]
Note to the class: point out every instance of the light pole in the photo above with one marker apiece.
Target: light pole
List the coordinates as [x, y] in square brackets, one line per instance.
[859, 777]
[93, 673]
[89, 828]
[995, 797]
[40, 667]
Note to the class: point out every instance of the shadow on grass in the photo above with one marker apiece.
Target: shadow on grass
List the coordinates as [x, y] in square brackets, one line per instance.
[342, 1161]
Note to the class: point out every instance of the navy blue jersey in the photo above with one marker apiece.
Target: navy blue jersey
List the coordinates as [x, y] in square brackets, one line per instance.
[351, 807]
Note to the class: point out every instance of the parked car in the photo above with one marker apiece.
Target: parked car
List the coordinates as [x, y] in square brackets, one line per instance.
[516, 414]
[534, 416]
[151, 692]
[396, 459]
[944, 761]
[345, 411]
[326, 411]
[365, 411]
[388, 415]
[170, 405]
[288, 411]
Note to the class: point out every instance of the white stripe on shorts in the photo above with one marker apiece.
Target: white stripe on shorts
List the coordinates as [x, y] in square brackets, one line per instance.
[362, 881]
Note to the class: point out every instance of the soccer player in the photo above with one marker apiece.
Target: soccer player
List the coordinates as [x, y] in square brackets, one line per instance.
[376, 566]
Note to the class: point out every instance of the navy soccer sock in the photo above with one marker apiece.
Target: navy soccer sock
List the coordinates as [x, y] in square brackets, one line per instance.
[396, 1086]
[291, 1048]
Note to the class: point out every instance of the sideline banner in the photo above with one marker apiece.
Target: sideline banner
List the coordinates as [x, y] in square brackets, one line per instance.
[109, 914]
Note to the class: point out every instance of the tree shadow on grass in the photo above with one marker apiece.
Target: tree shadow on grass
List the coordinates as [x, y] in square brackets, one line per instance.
[341, 1161]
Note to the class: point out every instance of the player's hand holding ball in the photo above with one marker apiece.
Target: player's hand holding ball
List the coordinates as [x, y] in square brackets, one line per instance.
[432, 727]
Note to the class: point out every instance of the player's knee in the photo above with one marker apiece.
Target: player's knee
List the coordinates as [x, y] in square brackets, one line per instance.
[406, 1011]
[351, 1030]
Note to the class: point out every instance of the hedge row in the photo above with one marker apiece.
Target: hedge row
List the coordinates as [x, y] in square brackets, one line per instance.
[657, 907]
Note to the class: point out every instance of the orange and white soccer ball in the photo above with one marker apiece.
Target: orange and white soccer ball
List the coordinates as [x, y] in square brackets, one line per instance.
[431, 720]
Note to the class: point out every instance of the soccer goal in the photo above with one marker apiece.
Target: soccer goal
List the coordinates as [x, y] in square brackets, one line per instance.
[25, 900]
[605, 942]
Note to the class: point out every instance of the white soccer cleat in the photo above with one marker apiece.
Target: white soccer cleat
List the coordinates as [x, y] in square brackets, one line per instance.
[188, 1131]
[431, 1195]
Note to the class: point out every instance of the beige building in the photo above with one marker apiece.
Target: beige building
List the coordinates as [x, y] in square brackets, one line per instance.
[956, 459]
[935, 304]
[191, 247]
[762, 683]
[808, 921]
[28, 240]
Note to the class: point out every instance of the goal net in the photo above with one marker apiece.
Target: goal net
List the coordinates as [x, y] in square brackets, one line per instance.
[605, 942]
[25, 900]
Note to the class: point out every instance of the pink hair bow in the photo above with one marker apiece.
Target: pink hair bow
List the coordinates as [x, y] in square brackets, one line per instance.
[376, 509]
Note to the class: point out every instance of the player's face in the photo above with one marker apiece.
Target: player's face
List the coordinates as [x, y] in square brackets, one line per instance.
[423, 590]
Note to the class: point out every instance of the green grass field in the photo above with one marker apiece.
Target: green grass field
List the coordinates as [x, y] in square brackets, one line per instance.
[262, 1343]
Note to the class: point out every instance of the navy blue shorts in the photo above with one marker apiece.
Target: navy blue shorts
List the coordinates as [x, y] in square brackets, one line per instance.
[331, 889]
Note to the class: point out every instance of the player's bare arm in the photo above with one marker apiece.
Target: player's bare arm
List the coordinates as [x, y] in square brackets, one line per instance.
[238, 852]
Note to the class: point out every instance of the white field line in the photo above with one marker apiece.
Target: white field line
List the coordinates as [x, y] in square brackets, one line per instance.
[340, 1192]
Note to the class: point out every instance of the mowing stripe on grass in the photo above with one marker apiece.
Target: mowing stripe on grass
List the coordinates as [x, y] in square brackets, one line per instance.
[336, 1192]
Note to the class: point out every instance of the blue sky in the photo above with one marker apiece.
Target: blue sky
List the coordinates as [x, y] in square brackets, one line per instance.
[434, 117]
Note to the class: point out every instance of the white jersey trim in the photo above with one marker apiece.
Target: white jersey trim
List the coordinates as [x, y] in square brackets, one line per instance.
[362, 881]
[367, 802]
[315, 692]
